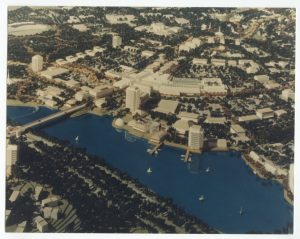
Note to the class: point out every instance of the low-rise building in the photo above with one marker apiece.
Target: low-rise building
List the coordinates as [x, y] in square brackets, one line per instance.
[51, 201]
[99, 102]
[101, 91]
[265, 113]
[167, 106]
[181, 126]
[81, 95]
[199, 61]
[41, 224]
[288, 94]
[215, 120]
[14, 196]
[186, 116]
[158, 136]
[238, 130]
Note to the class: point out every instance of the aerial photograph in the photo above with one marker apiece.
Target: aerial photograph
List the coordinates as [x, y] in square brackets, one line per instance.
[150, 120]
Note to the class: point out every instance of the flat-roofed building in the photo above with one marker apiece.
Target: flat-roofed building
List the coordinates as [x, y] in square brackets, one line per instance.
[265, 113]
[99, 102]
[247, 118]
[101, 91]
[51, 201]
[196, 137]
[215, 120]
[53, 72]
[188, 116]
[71, 59]
[288, 94]
[116, 41]
[218, 62]
[37, 63]
[133, 98]
[41, 224]
[147, 53]
[158, 136]
[280, 112]
[14, 196]
[72, 83]
[81, 95]
[167, 107]
[238, 130]
[199, 61]
[181, 126]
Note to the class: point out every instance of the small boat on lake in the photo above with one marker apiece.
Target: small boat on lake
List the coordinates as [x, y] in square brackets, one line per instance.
[77, 138]
[201, 198]
[207, 170]
[149, 170]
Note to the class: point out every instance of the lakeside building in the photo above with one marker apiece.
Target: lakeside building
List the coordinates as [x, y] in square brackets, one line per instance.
[268, 165]
[291, 178]
[12, 153]
[37, 63]
[133, 98]
[265, 113]
[116, 41]
[196, 137]
[158, 136]
[81, 95]
[181, 126]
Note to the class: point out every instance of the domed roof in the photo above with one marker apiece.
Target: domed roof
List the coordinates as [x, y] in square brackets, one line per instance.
[119, 122]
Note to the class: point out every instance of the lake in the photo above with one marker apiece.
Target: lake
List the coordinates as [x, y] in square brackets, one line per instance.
[229, 185]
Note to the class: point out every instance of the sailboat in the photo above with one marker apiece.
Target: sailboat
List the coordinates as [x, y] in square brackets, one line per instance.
[201, 198]
[149, 170]
[207, 170]
[77, 138]
[241, 211]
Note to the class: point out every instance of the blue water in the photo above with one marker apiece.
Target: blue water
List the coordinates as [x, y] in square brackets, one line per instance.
[228, 186]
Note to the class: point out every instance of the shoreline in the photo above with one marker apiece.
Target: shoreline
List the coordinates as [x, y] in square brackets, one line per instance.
[146, 136]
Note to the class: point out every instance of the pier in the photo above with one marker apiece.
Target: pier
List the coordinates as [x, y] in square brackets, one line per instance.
[187, 154]
[155, 148]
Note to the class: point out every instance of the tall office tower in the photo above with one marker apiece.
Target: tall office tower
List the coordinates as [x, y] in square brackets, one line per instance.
[11, 158]
[196, 137]
[133, 98]
[37, 63]
[116, 41]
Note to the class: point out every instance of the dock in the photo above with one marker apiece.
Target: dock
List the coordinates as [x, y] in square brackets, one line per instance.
[155, 148]
[187, 154]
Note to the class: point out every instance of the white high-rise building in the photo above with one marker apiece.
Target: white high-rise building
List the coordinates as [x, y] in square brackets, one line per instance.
[37, 63]
[116, 41]
[133, 98]
[11, 158]
[196, 137]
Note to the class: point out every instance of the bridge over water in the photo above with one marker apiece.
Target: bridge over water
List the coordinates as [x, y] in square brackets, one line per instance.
[21, 129]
